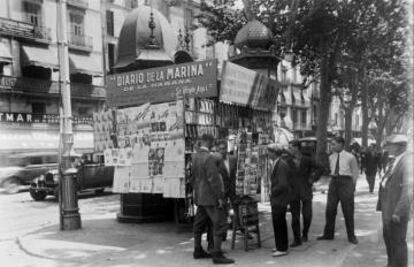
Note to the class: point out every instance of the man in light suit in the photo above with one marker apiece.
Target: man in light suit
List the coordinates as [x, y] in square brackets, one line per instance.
[209, 198]
[396, 198]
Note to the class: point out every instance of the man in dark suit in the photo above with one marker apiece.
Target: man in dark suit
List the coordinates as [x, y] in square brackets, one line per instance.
[209, 198]
[395, 199]
[227, 169]
[279, 198]
[370, 166]
[305, 173]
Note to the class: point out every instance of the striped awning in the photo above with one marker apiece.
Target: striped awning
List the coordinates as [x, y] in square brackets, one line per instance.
[39, 56]
[88, 65]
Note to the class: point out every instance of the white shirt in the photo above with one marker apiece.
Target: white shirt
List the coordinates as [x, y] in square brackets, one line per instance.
[227, 164]
[348, 165]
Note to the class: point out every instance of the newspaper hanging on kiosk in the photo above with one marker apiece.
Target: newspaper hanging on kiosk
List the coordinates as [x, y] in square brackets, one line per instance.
[150, 153]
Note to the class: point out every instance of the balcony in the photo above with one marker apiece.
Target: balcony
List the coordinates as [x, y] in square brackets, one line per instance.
[47, 88]
[78, 3]
[25, 30]
[80, 42]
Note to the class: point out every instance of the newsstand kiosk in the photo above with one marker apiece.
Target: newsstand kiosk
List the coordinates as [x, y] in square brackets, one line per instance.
[156, 119]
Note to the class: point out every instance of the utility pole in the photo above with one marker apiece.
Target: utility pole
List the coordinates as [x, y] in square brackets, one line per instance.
[69, 211]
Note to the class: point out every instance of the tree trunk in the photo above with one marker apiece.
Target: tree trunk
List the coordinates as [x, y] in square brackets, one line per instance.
[365, 117]
[324, 104]
[381, 119]
[348, 126]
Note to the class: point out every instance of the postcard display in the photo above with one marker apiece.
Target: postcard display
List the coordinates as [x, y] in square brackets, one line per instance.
[103, 130]
[251, 165]
[150, 153]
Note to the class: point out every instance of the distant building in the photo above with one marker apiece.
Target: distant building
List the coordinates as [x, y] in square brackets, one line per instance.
[29, 73]
[296, 106]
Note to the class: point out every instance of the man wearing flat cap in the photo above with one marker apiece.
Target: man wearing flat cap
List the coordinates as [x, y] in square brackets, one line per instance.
[396, 198]
[279, 198]
[305, 172]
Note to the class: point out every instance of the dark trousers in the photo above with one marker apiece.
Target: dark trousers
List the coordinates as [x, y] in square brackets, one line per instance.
[295, 209]
[280, 227]
[371, 180]
[341, 189]
[395, 241]
[217, 217]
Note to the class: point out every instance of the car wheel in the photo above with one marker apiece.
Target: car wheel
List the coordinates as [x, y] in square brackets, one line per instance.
[38, 195]
[99, 191]
[11, 185]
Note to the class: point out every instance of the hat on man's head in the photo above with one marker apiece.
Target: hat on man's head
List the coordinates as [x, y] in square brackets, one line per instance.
[275, 147]
[396, 139]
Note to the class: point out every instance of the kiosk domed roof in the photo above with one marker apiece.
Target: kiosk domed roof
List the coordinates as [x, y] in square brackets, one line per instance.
[134, 45]
[254, 35]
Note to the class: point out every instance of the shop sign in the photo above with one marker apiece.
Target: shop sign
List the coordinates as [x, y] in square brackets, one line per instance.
[246, 87]
[41, 118]
[163, 84]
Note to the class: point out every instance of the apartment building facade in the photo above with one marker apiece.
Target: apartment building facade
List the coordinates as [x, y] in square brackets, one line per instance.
[29, 73]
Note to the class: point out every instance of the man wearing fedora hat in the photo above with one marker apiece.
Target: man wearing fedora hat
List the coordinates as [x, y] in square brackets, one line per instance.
[395, 199]
[279, 198]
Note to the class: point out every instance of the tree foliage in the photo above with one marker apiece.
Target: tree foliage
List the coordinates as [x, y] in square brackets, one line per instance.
[349, 44]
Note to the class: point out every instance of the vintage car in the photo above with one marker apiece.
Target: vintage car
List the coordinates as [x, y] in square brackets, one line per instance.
[308, 146]
[20, 169]
[91, 175]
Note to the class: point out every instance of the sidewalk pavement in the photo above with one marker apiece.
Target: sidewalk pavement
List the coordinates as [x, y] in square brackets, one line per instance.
[103, 241]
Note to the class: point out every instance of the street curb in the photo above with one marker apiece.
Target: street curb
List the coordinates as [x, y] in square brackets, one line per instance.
[19, 243]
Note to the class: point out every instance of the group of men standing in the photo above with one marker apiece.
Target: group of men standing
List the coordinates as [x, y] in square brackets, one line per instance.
[292, 175]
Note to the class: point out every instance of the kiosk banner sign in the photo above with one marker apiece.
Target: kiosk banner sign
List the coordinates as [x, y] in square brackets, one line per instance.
[246, 87]
[163, 84]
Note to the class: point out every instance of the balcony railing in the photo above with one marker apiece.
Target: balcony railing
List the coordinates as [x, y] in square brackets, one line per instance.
[80, 42]
[20, 29]
[29, 86]
[78, 3]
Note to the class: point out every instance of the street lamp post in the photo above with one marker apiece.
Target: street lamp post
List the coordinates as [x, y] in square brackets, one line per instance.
[69, 211]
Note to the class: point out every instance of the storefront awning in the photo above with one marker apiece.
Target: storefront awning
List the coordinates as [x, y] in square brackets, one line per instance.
[5, 55]
[88, 65]
[41, 57]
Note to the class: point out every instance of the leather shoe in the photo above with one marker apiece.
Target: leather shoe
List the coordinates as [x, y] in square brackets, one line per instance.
[353, 240]
[295, 244]
[218, 258]
[201, 254]
[305, 238]
[279, 253]
[324, 238]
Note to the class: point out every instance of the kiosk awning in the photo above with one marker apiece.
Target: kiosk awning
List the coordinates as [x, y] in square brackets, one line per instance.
[5, 55]
[85, 65]
[41, 57]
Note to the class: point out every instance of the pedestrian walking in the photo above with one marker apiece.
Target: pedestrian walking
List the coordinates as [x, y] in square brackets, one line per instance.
[370, 166]
[344, 173]
[396, 198]
[305, 173]
[279, 198]
[209, 198]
